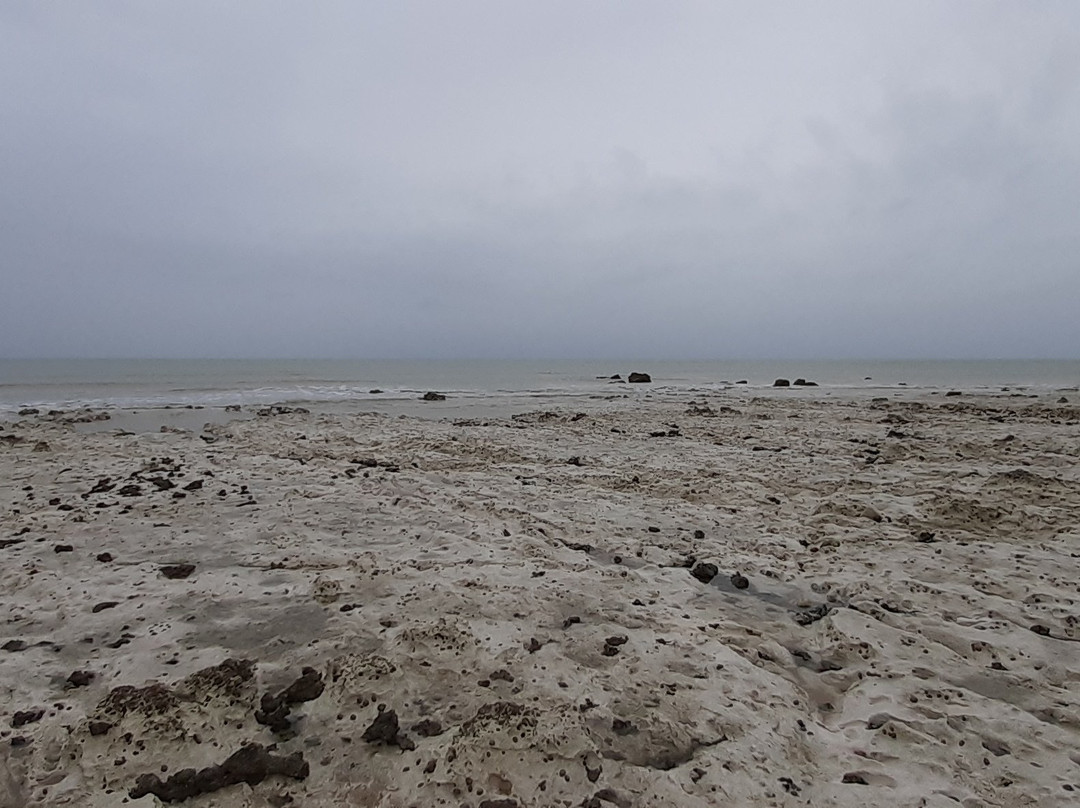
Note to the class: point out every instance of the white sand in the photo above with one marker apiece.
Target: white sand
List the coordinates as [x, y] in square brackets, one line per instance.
[420, 583]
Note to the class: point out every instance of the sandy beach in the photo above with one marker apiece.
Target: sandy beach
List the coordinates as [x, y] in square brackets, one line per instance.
[732, 600]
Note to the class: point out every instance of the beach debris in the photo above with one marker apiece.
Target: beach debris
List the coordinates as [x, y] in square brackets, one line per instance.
[176, 571]
[705, 571]
[639, 378]
[431, 395]
[251, 764]
[274, 712]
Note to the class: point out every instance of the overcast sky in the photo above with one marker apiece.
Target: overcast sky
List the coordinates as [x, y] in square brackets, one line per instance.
[544, 179]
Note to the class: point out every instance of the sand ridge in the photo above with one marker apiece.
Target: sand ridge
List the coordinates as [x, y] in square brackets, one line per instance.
[524, 595]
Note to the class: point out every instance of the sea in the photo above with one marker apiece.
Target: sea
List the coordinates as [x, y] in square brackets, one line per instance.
[67, 384]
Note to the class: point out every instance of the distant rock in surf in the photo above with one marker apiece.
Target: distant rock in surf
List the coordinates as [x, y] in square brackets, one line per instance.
[431, 395]
[639, 378]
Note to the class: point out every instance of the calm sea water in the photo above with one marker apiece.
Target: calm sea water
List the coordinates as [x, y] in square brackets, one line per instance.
[65, 384]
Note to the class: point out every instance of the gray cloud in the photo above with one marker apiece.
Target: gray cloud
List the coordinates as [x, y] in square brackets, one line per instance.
[472, 179]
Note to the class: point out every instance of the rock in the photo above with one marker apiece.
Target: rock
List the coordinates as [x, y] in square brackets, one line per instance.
[131, 490]
[871, 514]
[428, 728]
[80, 678]
[107, 604]
[533, 645]
[855, 778]
[639, 378]
[24, 717]
[1063, 400]
[572, 620]
[63, 548]
[375, 391]
[251, 764]
[781, 383]
[194, 485]
[593, 766]
[805, 617]
[104, 558]
[14, 645]
[385, 729]
[232, 408]
[274, 710]
[953, 393]
[99, 728]
[29, 411]
[431, 395]
[705, 572]
[1041, 630]
[739, 581]
[177, 571]
[804, 383]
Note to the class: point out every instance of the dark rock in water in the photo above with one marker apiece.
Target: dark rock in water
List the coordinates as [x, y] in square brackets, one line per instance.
[374, 392]
[278, 409]
[232, 408]
[705, 572]
[431, 395]
[63, 548]
[739, 581]
[614, 376]
[804, 383]
[781, 383]
[572, 620]
[177, 571]
[1063, 400]
[29, 411]
[18, 741]
[251, 764]
[953, 393]
[107, 604]
[639, 378]
[274, 710]
[99, 728]
[533, 645]
[104, 558]
[620, 727]
[80, 678]
[14, 645]
[131, 490]
[699, 534]
[854, 778]
[1041, 630]
[505, 802]
[194, 485]
[24, 717]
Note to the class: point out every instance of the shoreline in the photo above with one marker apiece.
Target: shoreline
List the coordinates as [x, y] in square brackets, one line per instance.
[890, 615]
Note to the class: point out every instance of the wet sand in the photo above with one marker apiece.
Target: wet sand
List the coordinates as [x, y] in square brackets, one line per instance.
[738, 600]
